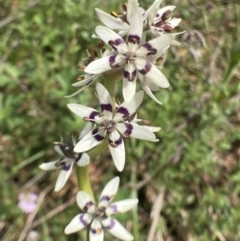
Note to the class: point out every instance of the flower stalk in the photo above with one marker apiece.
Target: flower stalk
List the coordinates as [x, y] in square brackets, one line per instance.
[125, 53]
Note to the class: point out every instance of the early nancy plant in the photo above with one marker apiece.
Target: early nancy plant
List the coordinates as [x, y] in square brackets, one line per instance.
[130, 47]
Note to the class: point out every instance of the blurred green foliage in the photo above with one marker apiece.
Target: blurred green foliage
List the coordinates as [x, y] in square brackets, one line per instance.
[197, 158]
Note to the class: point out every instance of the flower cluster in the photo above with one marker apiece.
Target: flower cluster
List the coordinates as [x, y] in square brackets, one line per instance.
[128, 49]
[127, 53]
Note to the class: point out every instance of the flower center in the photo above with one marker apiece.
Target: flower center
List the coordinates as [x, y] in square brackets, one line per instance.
[109, 126]
[100, 213]
[67, 148]
[130, 56]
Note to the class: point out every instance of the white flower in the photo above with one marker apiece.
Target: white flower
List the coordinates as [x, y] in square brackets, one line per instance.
[116, 125]
[100, 216]
[66, 163]
[159, 20]
[135, 58]
[122, 22]
[156, 19]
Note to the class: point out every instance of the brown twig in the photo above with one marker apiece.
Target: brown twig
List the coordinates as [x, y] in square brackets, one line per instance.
[156, 213]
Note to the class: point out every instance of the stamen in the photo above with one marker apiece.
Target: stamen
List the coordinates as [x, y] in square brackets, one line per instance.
[146, 122]
[114, 14]
[86, 118]
[124, 7]
[113, 144]
[159, 60]
[81, 67]
[100, 44]
[80, 78]
[58, 164]
[125, 135]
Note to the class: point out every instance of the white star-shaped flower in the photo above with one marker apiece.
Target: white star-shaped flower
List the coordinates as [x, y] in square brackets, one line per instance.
[154, 18]
[133, 57]
[65, 148]
[159, 21]
[116, 124]
[100, 216]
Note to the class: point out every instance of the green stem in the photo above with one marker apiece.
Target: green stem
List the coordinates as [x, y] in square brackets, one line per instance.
[82, 172]
[134, 195]
[84, 181]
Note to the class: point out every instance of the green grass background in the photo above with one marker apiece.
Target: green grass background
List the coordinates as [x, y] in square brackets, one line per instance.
[196, 162]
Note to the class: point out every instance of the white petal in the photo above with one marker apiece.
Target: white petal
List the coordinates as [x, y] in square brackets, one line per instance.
[132, 6]
[107, 35]
[152, 86]
[63, 177]
[154, 6]
[118, 153]
[110, 21]
[130, 108]
[174, 22]
[116, 229]
[96, 231]
[77, 92]
[87, 128]
[89, 141]
[58, 150]
[109, 192]
[153, 128]
[83, 111]
[99, 66]
[47, 166]
[161, 42]
[129, 88]
[121, 206]
[105, 100]
[136, 131]
[149, 92]
[143, 39]
[78, 222]
[153, 73]
[88, 79]
[83, 160]
[136, 29]
[85, 202]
